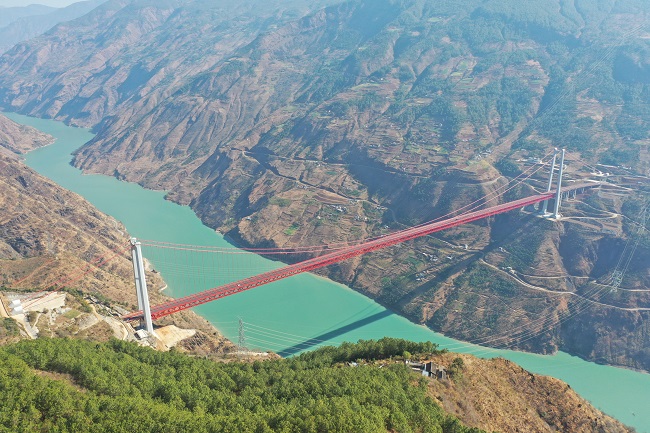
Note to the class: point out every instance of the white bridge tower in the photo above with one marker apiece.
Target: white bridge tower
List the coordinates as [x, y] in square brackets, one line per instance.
[141, 285]
[558, 194]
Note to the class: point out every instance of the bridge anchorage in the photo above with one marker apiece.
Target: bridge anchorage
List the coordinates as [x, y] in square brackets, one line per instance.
[147, 314]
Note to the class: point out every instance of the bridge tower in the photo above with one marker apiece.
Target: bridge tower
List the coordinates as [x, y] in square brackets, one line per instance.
[550, 182]
[141, 284]
[558, 195]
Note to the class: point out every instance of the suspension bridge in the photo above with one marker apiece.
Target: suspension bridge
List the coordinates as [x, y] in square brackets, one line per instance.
[147, 313]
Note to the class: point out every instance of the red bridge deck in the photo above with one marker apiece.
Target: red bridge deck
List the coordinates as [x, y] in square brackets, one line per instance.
[338, 256]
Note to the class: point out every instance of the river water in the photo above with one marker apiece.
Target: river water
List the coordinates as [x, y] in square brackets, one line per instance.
[305, 311]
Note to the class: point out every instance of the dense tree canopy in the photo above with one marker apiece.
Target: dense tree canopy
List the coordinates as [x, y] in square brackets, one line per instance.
[71, 385]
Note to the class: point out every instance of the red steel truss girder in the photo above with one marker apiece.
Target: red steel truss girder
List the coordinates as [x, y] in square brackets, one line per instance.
[334, 257]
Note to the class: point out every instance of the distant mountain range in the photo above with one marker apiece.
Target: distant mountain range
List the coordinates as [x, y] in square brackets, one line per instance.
[302, 123]
[12, 14]
[19, 24]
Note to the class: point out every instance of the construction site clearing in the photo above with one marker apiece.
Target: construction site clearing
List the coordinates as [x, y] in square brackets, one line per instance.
[60, 314]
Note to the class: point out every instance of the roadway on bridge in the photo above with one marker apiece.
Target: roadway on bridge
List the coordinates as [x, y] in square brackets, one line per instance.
[344, 254]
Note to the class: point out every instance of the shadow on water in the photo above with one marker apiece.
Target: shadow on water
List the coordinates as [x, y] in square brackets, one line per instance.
[318, 340]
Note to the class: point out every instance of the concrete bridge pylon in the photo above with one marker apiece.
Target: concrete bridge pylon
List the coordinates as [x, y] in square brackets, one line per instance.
[141, 285]
[550, 182]
[558, 195]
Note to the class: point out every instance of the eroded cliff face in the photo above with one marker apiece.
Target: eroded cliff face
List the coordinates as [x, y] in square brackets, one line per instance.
[288, 124]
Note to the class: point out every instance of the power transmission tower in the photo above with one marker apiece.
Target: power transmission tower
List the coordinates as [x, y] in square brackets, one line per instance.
[241, 342]
[624, 262]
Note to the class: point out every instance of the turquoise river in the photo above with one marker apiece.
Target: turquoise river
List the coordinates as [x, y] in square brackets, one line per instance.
[306, 311]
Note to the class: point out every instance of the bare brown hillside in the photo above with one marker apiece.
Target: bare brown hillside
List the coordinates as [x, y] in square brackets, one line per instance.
[18, 139]
[498, 395]
[53, 238]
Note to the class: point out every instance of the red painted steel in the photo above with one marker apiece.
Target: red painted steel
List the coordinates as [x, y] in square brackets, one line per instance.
[335, 257]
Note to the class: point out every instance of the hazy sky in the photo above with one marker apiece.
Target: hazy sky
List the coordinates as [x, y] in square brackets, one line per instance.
[54, 3]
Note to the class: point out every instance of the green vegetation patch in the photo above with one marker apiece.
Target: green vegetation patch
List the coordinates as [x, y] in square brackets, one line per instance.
[72, 314]
[10, 327]
[282, 202]
[127, 388]
[79, 297]
[292, 229]
[481, 277]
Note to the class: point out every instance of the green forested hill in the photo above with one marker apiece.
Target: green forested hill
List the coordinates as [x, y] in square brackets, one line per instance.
[78, 386]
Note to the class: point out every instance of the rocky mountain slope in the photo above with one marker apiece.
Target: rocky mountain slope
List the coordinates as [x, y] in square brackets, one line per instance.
[48, 233]
[51, 238]
[19, 139]
[297, 123]
[498, 395]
